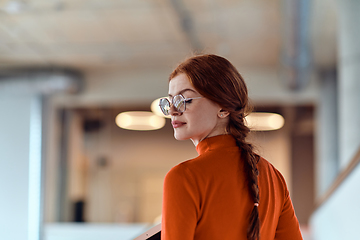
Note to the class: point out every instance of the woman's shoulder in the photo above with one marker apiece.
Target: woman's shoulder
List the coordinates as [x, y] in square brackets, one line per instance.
[182, 176]
[269, 171]
[187, 169]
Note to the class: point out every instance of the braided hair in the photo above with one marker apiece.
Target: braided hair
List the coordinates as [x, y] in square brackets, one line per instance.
[215, 78]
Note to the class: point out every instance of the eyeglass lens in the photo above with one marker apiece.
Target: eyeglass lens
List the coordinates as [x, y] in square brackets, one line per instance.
[179, 103]
[164, 106]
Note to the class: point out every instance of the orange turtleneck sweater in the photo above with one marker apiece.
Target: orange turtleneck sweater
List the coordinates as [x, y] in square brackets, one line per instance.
[208, 197]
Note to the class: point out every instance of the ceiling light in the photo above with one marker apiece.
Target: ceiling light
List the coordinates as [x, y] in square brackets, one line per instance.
[141, 121]
[259, 121]
[156, 109]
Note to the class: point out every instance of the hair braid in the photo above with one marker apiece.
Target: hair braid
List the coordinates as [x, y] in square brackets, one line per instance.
[238, 129]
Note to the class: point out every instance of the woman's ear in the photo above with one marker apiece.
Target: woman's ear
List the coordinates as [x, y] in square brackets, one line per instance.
[223, 113]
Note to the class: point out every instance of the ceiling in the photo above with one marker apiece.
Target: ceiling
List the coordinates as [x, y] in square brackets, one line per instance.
[127, 34]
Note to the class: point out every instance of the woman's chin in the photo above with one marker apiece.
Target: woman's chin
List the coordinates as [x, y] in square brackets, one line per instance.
[180, 136]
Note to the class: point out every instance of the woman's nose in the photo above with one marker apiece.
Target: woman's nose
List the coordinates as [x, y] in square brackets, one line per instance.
[173, 111]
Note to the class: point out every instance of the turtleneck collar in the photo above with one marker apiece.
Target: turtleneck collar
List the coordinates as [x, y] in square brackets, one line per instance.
[216, 142]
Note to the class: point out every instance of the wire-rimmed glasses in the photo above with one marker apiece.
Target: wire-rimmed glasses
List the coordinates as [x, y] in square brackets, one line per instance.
[178, 101]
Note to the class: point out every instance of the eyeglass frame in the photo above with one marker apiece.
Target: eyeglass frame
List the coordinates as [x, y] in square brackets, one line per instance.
[172, 103]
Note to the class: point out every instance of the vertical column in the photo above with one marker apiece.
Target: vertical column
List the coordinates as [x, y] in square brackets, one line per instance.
[349, 81]
[20, 166]
[295, 56]
[327, 164]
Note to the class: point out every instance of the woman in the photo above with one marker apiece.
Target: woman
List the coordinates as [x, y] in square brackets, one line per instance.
[227, 192]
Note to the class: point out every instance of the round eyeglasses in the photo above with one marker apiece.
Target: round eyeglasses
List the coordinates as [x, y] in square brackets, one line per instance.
[178, 101]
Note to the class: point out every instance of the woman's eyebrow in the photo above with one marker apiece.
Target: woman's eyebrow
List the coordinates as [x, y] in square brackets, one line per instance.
[182, 91]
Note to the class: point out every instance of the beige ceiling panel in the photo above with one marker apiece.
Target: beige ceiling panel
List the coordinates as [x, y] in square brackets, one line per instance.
[141, 25]
[26, 28]
[233, 22]
[15, 31]
[74, 26]
[134, 56]
[101, 25]
[142, 33]
[19, 49]
[76, 60]
[196, 5]
[23, 60]
[257, 55]
[41, 6]
[206, 5]
[108, 4]
[170, 24]
[228, 31]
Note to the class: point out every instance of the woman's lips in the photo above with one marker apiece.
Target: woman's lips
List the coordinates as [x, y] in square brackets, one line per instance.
[177, 124]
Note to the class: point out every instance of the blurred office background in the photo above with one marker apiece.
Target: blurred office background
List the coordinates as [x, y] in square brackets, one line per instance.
[69, 67]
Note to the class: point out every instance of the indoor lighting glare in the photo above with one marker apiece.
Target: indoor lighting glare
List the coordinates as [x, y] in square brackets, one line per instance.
[141, 121]
[264, 121]
[156, 109]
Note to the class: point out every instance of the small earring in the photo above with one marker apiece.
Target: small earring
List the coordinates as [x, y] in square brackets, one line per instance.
[221, 115]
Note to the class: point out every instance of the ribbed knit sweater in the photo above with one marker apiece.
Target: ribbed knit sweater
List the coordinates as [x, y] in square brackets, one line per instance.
[208, 198]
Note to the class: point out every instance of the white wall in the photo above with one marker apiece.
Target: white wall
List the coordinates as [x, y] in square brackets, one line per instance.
[338, 217]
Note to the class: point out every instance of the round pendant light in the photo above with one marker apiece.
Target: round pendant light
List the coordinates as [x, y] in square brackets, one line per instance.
[138, 120]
